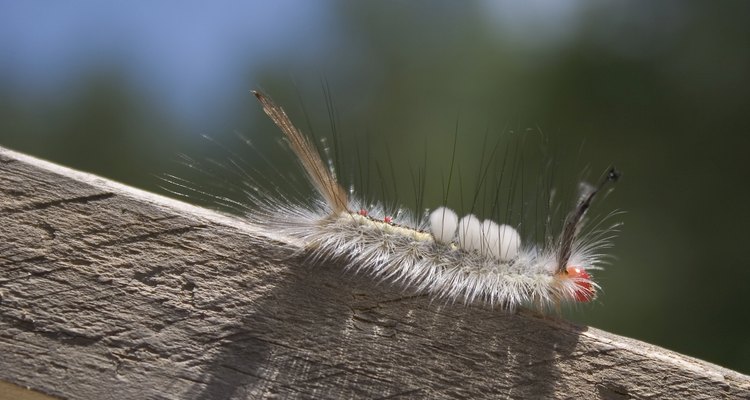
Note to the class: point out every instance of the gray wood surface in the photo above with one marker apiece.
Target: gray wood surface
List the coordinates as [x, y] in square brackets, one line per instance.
[110, 292]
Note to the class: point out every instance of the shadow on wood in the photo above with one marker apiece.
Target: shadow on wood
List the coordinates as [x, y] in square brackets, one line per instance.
[108, 291]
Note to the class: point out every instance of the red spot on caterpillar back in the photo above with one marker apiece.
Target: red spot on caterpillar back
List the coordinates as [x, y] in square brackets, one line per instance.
[585, 291]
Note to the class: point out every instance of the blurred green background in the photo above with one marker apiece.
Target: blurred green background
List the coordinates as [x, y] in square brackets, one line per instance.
[661, 89]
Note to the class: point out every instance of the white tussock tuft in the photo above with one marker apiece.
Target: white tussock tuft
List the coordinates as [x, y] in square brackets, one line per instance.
[500, 241]
[443, 224]
[470, 233]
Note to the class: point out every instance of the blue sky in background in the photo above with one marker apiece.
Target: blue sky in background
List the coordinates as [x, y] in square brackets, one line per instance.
[183, 53]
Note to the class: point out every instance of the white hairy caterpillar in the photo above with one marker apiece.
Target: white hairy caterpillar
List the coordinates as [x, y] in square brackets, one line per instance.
[451, 258]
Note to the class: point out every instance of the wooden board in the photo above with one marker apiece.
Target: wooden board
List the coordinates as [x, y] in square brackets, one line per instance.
[111, 292]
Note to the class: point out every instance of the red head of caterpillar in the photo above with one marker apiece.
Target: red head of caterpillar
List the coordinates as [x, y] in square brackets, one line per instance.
[447, 256]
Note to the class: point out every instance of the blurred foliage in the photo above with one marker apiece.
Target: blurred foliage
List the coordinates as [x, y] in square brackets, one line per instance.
[659, 89]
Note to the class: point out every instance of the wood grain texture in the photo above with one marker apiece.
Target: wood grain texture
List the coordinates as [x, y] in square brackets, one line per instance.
[110, 292]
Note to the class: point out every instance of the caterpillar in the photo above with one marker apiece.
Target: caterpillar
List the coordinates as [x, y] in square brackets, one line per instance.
[449, 258]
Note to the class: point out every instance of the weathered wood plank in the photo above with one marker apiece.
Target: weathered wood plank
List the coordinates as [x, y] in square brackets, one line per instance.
[110, 292]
